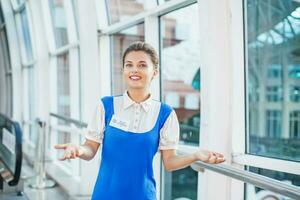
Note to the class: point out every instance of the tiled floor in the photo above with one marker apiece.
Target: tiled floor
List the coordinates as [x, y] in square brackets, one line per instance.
[55, 193]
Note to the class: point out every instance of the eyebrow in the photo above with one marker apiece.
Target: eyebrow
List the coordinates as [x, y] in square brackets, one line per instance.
[141, 61]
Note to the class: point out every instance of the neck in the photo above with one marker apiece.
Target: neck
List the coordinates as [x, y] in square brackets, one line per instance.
[138, 95]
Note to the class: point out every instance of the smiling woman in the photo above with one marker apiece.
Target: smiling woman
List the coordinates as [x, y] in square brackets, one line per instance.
[131, 128]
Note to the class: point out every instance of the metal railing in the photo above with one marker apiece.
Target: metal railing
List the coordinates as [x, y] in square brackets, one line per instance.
[77, 123]
[251, 178]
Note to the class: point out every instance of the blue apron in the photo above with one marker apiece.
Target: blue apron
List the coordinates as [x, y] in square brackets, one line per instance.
[126, 171]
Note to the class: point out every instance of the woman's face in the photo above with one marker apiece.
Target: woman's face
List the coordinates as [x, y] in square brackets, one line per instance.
[138, 70]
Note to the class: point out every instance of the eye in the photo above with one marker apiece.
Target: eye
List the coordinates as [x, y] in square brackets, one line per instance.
[128, 65]
[143, 65]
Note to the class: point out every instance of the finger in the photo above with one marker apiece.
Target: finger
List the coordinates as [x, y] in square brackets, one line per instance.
[61, 146]
[77, 153]
[219, 160]
[212, 159]
[219, 155]
[62, 159]
[73, 154]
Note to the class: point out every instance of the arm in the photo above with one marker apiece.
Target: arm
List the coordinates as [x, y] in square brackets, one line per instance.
[94, 133]
[172, 161]
[87, 151]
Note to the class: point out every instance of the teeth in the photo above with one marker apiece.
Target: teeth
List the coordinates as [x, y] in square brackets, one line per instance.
[135, 77]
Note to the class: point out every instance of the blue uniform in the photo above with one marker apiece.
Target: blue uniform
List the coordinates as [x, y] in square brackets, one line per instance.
[126, 171]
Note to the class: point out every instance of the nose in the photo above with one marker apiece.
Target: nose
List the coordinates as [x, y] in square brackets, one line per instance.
[134, 69]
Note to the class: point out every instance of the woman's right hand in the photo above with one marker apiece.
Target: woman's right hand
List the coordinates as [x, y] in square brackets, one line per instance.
[71, 151]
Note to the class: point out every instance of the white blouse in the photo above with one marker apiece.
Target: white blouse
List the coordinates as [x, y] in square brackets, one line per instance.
[142, 118]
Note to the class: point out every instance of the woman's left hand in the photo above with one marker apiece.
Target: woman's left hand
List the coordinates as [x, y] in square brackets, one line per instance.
[209, 156]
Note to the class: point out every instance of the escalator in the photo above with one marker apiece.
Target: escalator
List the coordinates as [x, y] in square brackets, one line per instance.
[11, 186]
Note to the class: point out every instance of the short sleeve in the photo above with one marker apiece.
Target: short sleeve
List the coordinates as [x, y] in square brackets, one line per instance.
[169, 133]
[95, 129]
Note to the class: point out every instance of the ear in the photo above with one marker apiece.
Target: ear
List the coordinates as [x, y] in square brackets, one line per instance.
[155, 73]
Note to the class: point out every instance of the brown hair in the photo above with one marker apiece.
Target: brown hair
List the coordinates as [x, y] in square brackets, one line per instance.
[145, 47]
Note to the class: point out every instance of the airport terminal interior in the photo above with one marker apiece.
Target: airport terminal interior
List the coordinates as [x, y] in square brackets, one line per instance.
[230, 69]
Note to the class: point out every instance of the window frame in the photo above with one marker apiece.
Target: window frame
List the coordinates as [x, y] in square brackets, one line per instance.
[72, 48]
[239, 155]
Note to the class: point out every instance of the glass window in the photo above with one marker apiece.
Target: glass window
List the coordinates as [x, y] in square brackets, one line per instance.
[119, 10]
[274, 93]
[253, 192]
[1, 16]
[273, 73]
[20, 1]
[63, 94]
[294, 70]
[29, 110]
[295, 93]
[120, 41]
[180, 45]
[163, 1]
[180, 184]
[23, 29]
[59, 22]
[180, 76]
[273, 123]
[5, 75]
[295, 124]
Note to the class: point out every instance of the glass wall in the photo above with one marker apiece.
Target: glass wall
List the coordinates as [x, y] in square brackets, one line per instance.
[273, 78]
[119, 42]
[180, 80]
[5, 71]
[119, 10]
[256, 193]
[180, 184]
[63, 94]
[23, 29]
[22, 18]
[65, 61]
[59, 22]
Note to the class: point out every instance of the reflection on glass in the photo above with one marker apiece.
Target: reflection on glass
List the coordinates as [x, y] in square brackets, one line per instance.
[295, 125]
[5, 75]
[59, 22]
[255, 193]
[180, 73]
[273, 78]
[1, 16]
[20, 1]
[181, 184]
[31, 104]
[120, 41]
[25, 34]
[163, 1]
[119, 10]
[181, 69]
[63, 94]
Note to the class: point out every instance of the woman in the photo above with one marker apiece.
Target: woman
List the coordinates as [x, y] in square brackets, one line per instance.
[131, 128]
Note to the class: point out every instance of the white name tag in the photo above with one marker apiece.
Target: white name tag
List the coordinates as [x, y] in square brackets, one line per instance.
[119, 123]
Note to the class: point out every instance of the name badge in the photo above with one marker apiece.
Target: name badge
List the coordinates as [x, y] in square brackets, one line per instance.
[119, 123]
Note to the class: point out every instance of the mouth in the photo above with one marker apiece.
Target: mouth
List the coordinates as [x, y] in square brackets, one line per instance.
[135, 77]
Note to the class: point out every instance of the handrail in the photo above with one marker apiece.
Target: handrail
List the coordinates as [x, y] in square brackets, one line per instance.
[11, 174]
[77, 123]
[252, 178]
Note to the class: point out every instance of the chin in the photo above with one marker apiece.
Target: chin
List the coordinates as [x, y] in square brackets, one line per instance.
[134, 86]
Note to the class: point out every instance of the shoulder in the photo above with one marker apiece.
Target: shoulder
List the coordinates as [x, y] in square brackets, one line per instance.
[110, 98]
[165, 107]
